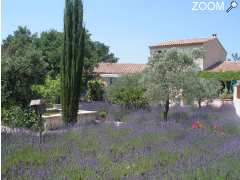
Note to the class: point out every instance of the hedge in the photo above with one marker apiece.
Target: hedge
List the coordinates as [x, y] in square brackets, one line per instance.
[222, 76]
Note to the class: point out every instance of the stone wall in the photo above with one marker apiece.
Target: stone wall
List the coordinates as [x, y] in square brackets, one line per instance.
[215, 53]
[55, 121]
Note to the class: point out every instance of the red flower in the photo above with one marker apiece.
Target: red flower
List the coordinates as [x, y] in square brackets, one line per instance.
[197, 125]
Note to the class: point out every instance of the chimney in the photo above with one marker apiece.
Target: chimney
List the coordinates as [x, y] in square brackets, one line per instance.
[214, 35]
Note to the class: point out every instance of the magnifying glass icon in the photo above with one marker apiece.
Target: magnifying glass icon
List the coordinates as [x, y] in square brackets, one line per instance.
[233, 4]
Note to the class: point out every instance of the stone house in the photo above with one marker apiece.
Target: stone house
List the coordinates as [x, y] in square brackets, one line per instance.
[214, 52]
[214, 59]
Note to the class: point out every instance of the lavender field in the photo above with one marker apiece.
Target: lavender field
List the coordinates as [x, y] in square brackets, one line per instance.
[146, 147]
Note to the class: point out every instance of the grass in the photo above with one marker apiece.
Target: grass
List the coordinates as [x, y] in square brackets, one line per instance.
[27, 156]
[232, 129]
[117, 133]
[143, 149]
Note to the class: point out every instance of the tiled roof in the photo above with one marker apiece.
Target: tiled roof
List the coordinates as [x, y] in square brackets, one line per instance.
[115, 68]
[184, 42]
[226, 66]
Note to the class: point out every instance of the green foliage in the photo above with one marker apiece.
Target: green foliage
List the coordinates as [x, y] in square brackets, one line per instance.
[225, 168]
[90, 144]
[27, 59]
[50, 90]
[76, 172]
[102, 114]
[118, 133]
[118, 149]
[200, 89]
[73, 59]
[22, 66]
[72, 136]
[165, 77]
[15, 116]
[95, 90]
[51, 45]
[27, 155]
[222, 76]
[127, 91]
[139, 166]
[231, 128]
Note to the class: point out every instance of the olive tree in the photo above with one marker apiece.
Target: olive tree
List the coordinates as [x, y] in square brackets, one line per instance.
[165, 77]
[199, 89]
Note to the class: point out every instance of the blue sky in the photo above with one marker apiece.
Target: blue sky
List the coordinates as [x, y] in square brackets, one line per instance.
[129, 26]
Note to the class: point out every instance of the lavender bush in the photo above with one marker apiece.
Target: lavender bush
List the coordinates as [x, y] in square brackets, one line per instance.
[146, 147]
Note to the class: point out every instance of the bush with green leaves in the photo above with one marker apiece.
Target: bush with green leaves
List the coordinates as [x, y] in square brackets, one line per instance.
[102, 114]
[50, 90]
[165, 76]
[22, 66]
[200, 89]
[95, 90]
[15, 116]
[127, 91]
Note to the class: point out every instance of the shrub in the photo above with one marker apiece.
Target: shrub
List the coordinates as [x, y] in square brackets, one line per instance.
[200, 89]
[127, 91]
[102, 114]
[50, 90]
[15, 116]
[95, 90]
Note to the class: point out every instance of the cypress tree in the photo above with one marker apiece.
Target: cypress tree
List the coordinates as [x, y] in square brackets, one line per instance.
[72, 60]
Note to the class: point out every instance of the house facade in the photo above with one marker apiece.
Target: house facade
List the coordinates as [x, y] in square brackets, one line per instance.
[214, 52]
[214, 59]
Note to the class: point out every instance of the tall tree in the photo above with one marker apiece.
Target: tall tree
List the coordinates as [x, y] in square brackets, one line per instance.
[22, 66]
[73, 59]
[51, 44]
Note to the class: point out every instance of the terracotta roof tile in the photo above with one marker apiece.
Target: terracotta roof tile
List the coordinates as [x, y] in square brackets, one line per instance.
[115, 68]
[226, 66]
[184, 42]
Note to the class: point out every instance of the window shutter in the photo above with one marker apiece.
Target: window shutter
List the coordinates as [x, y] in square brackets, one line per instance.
[238, 91]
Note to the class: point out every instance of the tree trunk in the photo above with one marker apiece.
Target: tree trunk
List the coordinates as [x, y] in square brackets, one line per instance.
[199, 103]
[166, 109]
